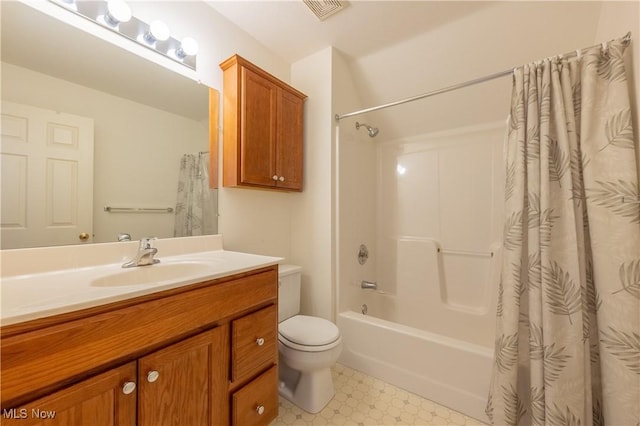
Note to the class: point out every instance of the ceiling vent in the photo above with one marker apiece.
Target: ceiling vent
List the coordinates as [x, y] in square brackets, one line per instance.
[324, 8]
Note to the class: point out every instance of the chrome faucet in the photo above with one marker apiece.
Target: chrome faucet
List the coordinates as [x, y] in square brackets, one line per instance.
[145, 254]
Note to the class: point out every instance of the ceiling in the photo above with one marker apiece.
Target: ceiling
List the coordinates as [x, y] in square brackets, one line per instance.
[292, 31]
[399, 49]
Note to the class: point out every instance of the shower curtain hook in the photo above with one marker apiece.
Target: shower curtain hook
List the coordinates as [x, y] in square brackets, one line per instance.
[578, 53]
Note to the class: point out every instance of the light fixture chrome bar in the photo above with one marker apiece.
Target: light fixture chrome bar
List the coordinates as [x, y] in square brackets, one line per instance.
[490, 77]
[466, 252]
[134, 29]
[110, 209]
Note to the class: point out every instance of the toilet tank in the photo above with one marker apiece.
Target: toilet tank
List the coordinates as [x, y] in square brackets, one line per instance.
[289, 279]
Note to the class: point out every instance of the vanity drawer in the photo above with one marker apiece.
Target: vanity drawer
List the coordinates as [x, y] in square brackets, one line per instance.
[254, 342]
[257, 402]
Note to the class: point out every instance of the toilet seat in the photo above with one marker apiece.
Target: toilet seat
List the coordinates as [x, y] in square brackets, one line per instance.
[309, 334]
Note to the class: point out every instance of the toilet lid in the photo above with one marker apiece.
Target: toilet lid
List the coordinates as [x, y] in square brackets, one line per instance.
[309, 331]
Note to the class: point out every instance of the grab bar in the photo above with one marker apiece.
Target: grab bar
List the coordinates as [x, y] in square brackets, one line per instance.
[110, 209]
[369, 285]
[466, 252]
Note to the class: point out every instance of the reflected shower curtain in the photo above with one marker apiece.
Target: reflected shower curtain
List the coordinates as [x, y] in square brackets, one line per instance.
[567, 348]
[196, 203]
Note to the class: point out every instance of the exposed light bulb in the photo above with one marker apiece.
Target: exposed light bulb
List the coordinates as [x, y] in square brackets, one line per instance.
[117, 11]
[188, 47]
[158, 31]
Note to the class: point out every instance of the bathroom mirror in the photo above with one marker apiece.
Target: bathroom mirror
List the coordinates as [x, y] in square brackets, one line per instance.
[145, 118]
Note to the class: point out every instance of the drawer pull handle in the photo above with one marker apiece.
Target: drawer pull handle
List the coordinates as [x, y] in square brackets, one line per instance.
[281, 178]
[274, 177]
[259, 341]
[260, 409]
[128, 388]
[152, 376]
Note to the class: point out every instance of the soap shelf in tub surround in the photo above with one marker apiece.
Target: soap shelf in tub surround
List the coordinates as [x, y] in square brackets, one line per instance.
[145, 353]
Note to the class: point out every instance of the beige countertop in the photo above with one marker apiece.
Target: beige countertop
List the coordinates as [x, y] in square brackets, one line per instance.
[51, 291]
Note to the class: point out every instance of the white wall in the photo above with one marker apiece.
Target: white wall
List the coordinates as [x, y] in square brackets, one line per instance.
[311, 235]
[135, 165]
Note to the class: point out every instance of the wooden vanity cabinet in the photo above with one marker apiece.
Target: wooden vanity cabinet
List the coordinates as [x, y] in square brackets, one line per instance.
[205, 354]
[263, 128]
[99, 400]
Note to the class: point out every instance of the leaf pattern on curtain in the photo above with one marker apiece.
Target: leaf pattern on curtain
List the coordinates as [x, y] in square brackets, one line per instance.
[630, 278]
[513, 231]
[624, 346]
[567, 348]
[514, 408]
[609, 194]
[619, 130]
[510, 182]
[558, 161]
[562, 417]
[537, 406]
[563, 296]
[611, 64]
[506, 354]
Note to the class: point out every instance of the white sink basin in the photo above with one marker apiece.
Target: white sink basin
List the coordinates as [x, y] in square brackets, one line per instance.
[154, 274]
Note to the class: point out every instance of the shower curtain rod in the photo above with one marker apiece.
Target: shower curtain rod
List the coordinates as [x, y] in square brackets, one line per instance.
[338, 117]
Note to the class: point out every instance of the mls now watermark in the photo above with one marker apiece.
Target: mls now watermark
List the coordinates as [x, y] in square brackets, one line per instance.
[23, 413]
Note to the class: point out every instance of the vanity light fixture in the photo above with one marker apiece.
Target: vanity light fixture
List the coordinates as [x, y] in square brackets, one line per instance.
[116, 15]
[188, 47]
[117, 11]
[158, 31]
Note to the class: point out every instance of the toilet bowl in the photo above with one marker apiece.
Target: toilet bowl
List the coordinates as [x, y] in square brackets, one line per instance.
[308, 348]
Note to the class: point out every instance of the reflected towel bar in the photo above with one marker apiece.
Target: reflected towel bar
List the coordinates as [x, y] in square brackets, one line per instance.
[110, 209]
[466, 253]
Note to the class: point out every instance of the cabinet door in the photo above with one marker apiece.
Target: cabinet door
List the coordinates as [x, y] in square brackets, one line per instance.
[98, 401]
[289, 153]
[185, 384]
[258, 132]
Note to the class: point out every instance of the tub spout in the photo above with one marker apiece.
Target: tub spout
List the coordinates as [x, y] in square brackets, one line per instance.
[369, 285]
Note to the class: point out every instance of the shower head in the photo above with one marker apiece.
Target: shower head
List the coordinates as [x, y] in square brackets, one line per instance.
[373, 131]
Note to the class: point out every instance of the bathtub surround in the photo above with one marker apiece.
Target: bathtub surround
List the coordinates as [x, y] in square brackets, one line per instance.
[567, 340]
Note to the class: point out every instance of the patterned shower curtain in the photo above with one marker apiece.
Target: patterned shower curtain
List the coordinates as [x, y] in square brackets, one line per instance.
[196, 212]
[567, 348]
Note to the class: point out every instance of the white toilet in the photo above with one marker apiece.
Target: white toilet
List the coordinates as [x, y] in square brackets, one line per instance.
[308, 347]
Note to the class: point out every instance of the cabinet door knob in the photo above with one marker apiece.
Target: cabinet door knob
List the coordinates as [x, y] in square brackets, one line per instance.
[281, 178]
[128, 388]
[260, 409]
[152, 376]
[259, 341]
[275, 177]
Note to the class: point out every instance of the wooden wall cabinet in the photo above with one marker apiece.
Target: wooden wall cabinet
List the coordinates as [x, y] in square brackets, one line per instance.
[263, 128]
[205, 354]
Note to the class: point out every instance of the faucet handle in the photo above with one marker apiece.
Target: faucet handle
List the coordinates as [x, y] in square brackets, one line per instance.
[147, 242]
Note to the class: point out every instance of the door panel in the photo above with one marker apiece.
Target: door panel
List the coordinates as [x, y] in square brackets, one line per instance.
[47, 177]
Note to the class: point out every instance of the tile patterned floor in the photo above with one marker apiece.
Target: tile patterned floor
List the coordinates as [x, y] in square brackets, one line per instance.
[362, 400]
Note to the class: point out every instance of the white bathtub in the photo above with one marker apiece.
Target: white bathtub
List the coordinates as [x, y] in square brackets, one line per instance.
[451, 372]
